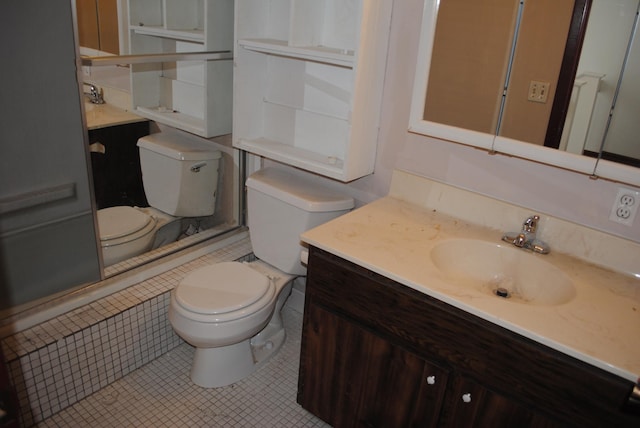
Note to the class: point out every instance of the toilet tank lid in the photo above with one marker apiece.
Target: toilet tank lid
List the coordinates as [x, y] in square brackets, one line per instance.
[179, 147]
[301, 192]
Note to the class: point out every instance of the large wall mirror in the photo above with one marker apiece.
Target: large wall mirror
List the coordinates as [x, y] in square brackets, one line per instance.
[102, 27]
[534, 79]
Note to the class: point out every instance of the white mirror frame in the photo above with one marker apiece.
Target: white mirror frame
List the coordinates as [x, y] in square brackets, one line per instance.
[496, 144]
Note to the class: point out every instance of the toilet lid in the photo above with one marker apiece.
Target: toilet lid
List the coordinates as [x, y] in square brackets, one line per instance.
[116, 222]
[221, 287]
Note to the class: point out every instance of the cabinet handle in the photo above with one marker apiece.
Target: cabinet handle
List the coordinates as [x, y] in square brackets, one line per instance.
[431, 380]
[466, 397]
[97, 147]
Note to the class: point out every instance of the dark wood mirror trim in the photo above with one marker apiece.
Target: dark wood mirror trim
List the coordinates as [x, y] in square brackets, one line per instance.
[570, 61]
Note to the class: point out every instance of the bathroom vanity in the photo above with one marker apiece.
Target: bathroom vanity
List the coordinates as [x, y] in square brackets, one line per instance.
[377, 353]
[388, 340]
[8, 399]
[115, 162]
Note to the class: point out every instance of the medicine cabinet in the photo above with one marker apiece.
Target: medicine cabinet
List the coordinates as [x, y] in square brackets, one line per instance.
[308, 82]
[195, 96]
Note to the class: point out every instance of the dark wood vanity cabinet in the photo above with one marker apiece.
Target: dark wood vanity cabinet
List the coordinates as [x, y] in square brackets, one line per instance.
[8, 398]
[117, 178]
[376, 353]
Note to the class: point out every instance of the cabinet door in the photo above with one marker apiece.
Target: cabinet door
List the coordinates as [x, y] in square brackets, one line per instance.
[117, 178]
[332, 367]
[401, 389]
[8, 399]
[350, 377]
[468, 404]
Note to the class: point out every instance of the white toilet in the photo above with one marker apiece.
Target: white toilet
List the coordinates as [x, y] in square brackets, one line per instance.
[231, 311]
[180, 178]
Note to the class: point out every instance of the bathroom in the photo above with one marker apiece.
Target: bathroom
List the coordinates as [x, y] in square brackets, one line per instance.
[549, 189]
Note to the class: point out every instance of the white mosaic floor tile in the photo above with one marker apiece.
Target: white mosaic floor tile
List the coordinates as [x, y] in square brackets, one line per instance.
[160, 394]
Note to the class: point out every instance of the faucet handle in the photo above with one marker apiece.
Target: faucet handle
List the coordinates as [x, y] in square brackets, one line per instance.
[531, 224]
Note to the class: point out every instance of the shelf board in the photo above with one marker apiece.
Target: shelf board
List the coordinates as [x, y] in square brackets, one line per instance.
[302, 158]
[173, 118]
[342, 58]
[158, 31]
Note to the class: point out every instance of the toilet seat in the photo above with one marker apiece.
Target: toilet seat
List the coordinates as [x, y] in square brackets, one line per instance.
[123, 224]
[223, 292]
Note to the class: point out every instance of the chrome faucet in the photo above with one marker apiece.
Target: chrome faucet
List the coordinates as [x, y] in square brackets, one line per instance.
[95, 96]
[527, 237]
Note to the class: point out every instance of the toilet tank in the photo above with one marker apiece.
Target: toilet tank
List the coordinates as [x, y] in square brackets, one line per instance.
[179, 174]
[281, 205]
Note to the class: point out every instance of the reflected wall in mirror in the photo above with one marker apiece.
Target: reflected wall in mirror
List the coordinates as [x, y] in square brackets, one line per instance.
[499, 75]
[97, 22]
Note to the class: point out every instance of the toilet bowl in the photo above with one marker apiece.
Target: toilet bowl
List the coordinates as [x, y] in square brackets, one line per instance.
[180, 178]
[230, 311]
[124, 232]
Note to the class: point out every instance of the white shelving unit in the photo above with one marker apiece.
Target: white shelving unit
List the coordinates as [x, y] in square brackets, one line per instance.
[195, 96]
[308, 82]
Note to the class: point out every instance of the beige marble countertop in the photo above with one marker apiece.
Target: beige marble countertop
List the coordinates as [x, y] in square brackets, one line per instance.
[104, 115]
[393, 237]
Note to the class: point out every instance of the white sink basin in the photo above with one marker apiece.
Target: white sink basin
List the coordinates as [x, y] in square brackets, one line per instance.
[509, 273]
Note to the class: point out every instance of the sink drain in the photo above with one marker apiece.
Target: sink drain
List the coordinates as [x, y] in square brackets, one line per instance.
[502, 292]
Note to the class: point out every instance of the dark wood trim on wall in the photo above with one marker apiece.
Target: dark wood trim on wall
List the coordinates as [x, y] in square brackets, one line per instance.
[568, 70]
[614, 157]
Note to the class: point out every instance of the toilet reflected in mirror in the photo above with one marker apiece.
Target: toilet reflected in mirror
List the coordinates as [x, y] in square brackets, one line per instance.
[180, 181]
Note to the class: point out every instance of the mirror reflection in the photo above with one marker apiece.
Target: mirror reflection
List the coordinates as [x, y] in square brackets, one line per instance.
[97, 22]
[494, 74]
[607, 81]
[139, 180]
[510, 69]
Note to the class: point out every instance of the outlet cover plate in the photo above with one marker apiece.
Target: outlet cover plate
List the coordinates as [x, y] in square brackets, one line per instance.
[625, 206]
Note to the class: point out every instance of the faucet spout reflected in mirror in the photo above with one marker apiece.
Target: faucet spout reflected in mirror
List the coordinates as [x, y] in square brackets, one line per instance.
[95, 96]
[526, 238]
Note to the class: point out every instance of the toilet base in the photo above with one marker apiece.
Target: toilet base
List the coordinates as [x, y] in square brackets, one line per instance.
[222, 366]
[268, 341]
[225, 365]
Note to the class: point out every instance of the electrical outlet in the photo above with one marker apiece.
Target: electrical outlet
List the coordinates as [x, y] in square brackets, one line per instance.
[625, 206]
